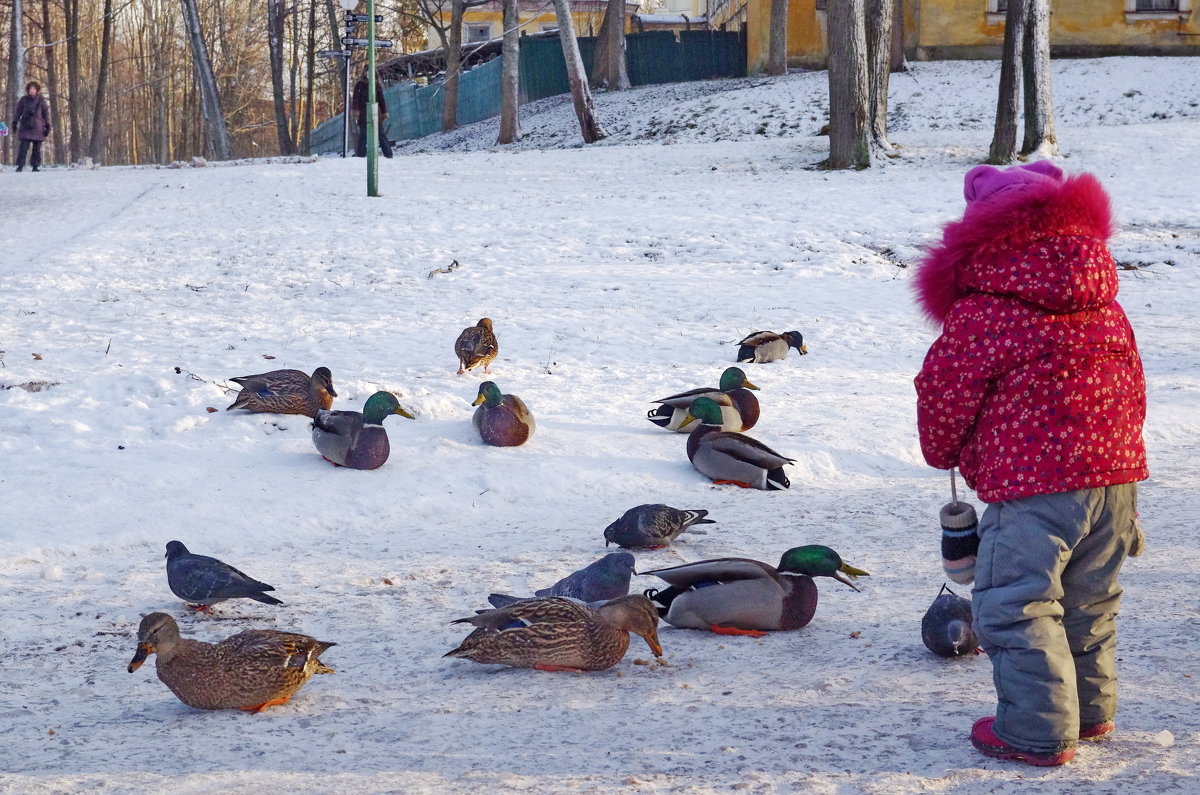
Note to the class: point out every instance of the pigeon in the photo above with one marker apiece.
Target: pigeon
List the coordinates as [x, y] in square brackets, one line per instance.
[652, 526]
[946, 627]
[607, 578]
[202, 581]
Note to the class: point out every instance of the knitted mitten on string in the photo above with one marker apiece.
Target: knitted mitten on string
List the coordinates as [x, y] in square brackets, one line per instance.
[960, 543]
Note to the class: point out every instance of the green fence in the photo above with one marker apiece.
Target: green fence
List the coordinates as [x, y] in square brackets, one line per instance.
[655, 57]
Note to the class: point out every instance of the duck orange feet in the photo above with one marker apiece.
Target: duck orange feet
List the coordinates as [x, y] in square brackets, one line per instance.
[545, 667]
[205, 609]
[753, 633]
[272, 703]
[732, 483]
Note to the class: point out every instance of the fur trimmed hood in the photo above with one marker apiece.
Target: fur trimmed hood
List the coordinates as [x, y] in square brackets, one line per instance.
[1045, 244]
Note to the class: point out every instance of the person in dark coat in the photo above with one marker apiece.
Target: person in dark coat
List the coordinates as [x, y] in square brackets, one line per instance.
[31, 122]
[359, 100]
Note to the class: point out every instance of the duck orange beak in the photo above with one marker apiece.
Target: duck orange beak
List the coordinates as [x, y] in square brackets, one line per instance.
[144, 650]
[748, 385]
[400, 410]
[478, 400]
[685, 422]
[652, 642]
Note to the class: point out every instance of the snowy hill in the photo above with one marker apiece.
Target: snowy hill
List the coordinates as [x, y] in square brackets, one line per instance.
[614, 274]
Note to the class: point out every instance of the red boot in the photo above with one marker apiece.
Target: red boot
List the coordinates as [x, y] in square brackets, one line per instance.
[987, 743]
[1096, 731]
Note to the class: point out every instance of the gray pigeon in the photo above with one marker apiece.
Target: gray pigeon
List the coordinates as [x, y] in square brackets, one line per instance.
[607, 578]
[946, 627]
[651, 526]
[202, 581]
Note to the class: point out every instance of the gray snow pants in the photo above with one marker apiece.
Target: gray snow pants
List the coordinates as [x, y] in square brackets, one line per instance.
[1045, 605]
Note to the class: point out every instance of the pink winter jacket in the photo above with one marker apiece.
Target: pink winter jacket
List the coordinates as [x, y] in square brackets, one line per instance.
[1035, 385]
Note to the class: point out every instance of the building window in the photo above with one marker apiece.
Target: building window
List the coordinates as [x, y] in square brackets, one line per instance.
[1140, 10]
[822, 5]
[996, 11]
[476, 33]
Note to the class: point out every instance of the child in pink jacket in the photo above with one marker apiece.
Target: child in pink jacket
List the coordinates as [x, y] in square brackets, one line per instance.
[1034, 390]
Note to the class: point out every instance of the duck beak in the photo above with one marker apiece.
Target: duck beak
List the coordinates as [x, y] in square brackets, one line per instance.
[853, 572]
[477, 400]
[331, 391]
[803, 349]
[400, 410]
[840, 578]
[144, 650]
[652, 642]
[685, 423]
[748, 385]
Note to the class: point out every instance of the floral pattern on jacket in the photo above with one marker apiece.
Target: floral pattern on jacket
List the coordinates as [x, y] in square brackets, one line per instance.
[1035, 385]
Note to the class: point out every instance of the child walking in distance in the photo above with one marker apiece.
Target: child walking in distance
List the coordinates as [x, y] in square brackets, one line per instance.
[1034, 390]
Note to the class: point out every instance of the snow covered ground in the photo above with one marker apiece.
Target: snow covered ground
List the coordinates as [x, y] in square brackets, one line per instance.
[615, 274]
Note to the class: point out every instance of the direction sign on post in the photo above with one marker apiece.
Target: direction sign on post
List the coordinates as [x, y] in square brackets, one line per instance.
[335, 53]
[352, 17]
[382, 44]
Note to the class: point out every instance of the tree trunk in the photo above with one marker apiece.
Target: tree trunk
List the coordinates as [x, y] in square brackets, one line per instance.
[453, 67]
[16, 65]
[899, 62]
[510, 76]
[96, 144]
[74, 95]
[310, 77]
[608, 62]
[1039, 106]
[216, 132]
[880, 16]
[581, 95]
[276, 14]
[849, 130]
[777, 38]
[1004, 134]
[52, 92]
[332, 9]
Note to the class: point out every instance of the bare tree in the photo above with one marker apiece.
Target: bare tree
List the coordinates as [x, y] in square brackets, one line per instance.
[581, 95]
[880, 17]
[510, 76]
[899, 62]
[276, 19]
[849, 130]
[777, 38]
[608, 61]
[16, 61]
[96, 144]
[453, 66]
[1004, 133]
[74, 94]
[52, 80]
[215, 129]
[1039, 107]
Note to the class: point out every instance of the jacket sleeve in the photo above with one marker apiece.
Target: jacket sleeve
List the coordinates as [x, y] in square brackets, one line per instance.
[957, 378]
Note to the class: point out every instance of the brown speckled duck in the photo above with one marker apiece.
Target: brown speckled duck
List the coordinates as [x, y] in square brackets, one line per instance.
[739, 406]
[476, 345]
[252, 670]
[767, 346]
[502, 420]
[559, 634]
[285, 392]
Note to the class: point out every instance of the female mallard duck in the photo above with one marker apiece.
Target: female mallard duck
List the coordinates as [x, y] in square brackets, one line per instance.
[357, 440]
[739, 596]
[739, 406]
[502, 420]
[285, 392]
[767, 346]
[555, 633]
[476, 345]
[731, 457]
[652, 526]
[252, 670]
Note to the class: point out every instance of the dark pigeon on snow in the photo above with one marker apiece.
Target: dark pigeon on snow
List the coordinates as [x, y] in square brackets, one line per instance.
[652, 526]
[946, 627]
[202, 581]
[607, 578]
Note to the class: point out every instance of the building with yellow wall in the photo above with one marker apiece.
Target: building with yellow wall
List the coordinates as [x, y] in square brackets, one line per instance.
[486, 22]
[947, 29]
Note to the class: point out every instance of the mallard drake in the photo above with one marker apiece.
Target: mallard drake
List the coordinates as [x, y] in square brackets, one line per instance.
[285, 392]
[652, 526]
[476, 345]
[739, 406]
[202, 581]
[739, 596]
[767, 346]
[946, 628]
[252, 670]
[353, 439]
[502, 420]
[731, 457]
[607, 578]
[559, 634]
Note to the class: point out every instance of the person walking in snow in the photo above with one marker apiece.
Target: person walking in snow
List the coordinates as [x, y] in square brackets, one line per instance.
[1035, 391]
[359, 100]
[31, 123]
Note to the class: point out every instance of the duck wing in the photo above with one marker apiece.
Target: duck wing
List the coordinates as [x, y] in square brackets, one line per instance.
[745, 448]
[716, 570]
[336, 432]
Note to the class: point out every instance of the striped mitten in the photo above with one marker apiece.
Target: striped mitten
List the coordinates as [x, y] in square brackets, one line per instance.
[960, 543]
